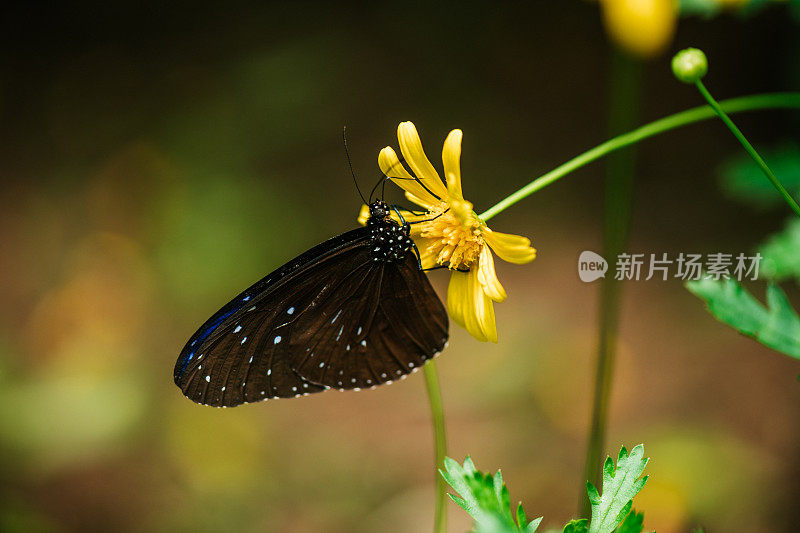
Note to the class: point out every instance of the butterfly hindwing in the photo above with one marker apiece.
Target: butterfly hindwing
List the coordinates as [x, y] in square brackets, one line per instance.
[375, 330]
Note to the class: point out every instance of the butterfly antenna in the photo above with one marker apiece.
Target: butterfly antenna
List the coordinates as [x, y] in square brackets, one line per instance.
[350, 163]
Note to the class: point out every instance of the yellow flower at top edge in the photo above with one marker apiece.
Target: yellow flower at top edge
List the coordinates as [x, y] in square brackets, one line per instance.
[449, 233]
[642, 27]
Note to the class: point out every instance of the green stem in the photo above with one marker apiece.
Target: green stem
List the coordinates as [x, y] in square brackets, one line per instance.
[747, 146]
[439, 443]
[690, 116]
[625, 93]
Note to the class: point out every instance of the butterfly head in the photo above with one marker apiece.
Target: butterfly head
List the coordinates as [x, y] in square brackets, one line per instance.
[379, 210]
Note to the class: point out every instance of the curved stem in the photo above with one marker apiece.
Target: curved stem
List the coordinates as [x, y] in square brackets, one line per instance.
[690, 116]
[439, 442]
[748, 147]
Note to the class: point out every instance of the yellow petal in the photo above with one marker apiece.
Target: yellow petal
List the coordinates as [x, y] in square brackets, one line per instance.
[417, 200]
[451, 158]
[458, 297]
[390, 165]
[488, 278]
[427, 257]
[411, 146]
[511, 248]
[481, 323]
[470, 308]
[363, 214]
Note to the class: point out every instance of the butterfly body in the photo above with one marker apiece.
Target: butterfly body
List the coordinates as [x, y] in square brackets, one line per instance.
[353, 312]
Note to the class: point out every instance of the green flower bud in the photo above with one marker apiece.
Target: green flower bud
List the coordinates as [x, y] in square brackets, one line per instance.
[690, 65]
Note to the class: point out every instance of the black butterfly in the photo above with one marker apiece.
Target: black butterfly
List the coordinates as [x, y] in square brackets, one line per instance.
[351, 313]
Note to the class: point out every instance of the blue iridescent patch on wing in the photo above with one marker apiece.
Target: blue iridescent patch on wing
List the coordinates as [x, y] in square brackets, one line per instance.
[203, 335]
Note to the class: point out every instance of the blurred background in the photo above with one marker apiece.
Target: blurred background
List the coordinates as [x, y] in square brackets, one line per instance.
[156, 159]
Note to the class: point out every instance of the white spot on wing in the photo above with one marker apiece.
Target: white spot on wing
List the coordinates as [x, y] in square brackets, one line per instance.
[337, 316]
[208, 379]
[238, 329]
[277, 339]
[244, 340]
[290, 311]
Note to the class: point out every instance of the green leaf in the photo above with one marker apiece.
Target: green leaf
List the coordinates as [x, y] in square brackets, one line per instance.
[620, 485]
[781, 253]
[577, 526]
[634, 523]
[742, 179]
[485, 498]
[777, 326]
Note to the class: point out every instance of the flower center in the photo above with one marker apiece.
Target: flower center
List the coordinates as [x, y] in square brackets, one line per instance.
[454, 234]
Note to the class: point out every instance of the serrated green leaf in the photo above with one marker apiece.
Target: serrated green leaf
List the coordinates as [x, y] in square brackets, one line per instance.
[624, 512]
[577, 526]
[634, 523]
[623, 453]
[594, 495]
[608, 465]
[620, 485]
[776, 326]
[485, 498]
[743, 180]
[780, 253]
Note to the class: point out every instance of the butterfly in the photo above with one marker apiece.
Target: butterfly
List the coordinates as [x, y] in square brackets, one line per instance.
[353, 312]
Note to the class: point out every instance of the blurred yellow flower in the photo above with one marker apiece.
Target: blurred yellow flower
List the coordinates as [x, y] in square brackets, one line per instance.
[642, 27]
[449, 233]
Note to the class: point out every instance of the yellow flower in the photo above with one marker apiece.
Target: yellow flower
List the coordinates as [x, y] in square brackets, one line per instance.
[449, 233]
[642, 27]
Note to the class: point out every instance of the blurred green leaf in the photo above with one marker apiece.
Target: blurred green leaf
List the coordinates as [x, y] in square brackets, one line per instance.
[781, 253]
[702, 8]
[712, 8]
[485, 498]
[620, 485]
[577, 526]
[777, 326]
[742, 179]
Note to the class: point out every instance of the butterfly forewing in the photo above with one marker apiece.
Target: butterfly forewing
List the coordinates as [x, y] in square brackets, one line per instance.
[239, 354]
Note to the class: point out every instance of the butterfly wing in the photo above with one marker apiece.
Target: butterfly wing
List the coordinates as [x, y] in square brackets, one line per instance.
[240, 354]
[333, 317]
[383, 325]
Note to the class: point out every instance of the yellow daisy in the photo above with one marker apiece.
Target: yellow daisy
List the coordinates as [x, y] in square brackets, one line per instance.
[449, 233]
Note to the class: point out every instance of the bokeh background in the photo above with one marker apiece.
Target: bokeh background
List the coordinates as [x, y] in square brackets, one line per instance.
[157, 158]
